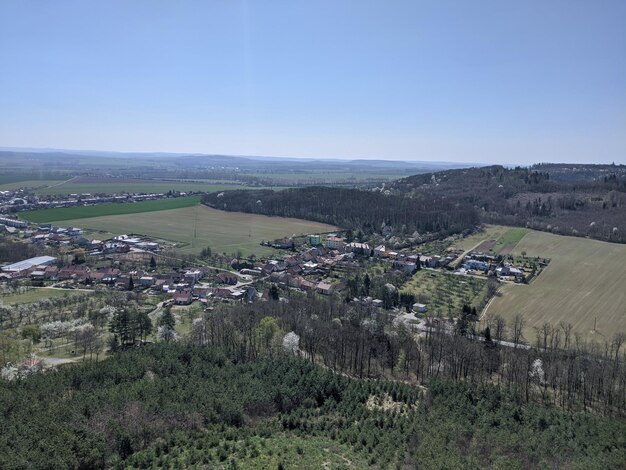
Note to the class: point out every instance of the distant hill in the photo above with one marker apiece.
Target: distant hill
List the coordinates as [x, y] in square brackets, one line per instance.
[581, 200]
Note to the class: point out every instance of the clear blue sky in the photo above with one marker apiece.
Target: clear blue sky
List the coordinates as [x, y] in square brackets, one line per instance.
[476, 81]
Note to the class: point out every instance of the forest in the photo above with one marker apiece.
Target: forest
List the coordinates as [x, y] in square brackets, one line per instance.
[576, 201]
[359, 210]
[179, 405]
[585, 200]
[269, 384]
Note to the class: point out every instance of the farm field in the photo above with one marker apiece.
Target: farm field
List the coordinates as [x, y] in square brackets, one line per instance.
[497, 238]
[445, 293]
[33, 295]
[28, 184]
[584, 282]
[197, 227]
[134, 186]
[80, 212]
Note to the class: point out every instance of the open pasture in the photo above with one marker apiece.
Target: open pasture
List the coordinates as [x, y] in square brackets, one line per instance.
[584, 283]
[194, 228]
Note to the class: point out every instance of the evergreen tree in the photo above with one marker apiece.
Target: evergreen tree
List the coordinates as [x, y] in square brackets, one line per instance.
[153, 263]
[167, 319]
[131, 284]
[274, 294]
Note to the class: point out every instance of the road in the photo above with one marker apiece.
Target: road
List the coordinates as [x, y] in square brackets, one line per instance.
[409, 320]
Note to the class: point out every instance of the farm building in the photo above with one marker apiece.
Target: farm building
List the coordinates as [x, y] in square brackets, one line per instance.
[13, 222]
[29, 263]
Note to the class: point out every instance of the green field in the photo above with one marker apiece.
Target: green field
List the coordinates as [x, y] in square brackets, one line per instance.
[503, 238]
[28, 184]
[584, 283]
[82, 212]
[34, 295]
[445, 293]
[509, 240]
[133, 187]
[193, 228]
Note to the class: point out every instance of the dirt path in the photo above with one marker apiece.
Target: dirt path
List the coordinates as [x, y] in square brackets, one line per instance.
[63, 182]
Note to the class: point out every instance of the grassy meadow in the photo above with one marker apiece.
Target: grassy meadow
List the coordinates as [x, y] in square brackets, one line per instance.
[584, 283]
[81, 212]
[196, 227]
[34, 295]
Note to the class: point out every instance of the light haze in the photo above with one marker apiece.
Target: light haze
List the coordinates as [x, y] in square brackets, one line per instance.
[466, 81]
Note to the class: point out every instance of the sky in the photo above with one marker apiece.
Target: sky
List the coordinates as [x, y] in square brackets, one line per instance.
[513, 82]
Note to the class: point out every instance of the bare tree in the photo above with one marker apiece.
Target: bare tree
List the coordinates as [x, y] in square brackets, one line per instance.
[518, 329]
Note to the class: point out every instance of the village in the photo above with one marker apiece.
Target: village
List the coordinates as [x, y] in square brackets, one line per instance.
[323, 264]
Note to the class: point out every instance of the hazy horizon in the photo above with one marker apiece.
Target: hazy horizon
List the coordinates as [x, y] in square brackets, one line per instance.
[483, 82]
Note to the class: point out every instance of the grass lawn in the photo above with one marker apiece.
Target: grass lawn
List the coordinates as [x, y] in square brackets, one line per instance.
[194, 228]
[82, 212]
[35, 294]
[445, 293]
[584, 282]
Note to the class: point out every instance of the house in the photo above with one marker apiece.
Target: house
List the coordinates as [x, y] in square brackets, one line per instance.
[476, 265]
[324, 288]
[227, 278]
[430, 261]
[251, 294]
[421, 308]
[380, 251]
[285, 244]
[360, 248]
[314, 240]
[334, 243]
[193, 275]
[405, 266]
[183, 297]
[146, 281]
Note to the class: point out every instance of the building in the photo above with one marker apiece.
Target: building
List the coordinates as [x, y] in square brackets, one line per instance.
[13, 222]
[421, 308]
[356, 247]
[29, 263]
[183, 297]
[476, 265]
[334, 243]
[314, 240]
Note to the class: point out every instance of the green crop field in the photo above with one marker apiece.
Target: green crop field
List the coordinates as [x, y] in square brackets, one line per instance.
[445, 293]
[82, 212]
[584, 283]
[194, 228]
[133, 187]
